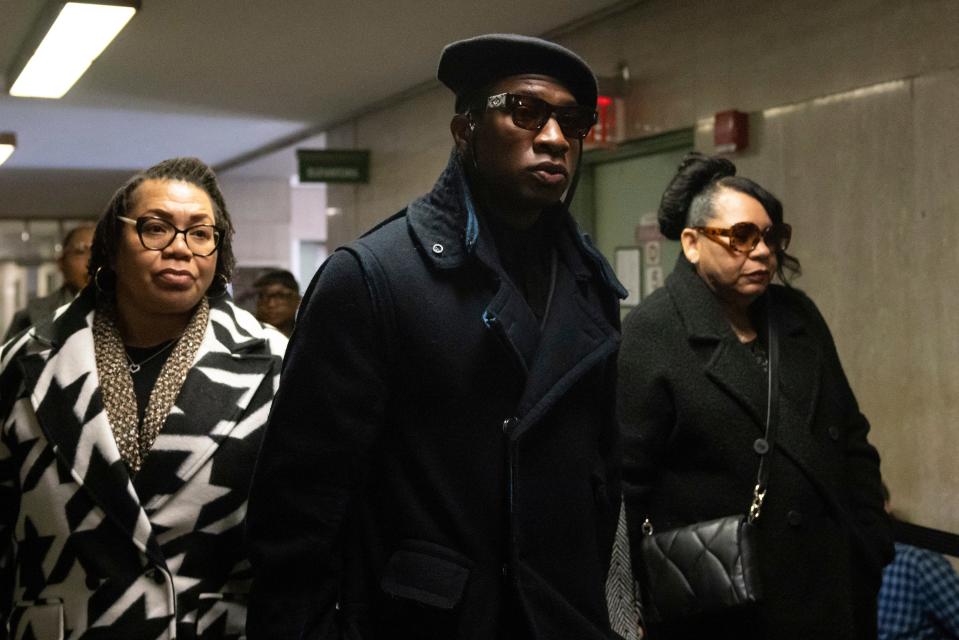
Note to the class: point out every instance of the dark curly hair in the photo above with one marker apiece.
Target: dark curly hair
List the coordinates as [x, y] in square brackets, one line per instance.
[191, 170]
[689, 201]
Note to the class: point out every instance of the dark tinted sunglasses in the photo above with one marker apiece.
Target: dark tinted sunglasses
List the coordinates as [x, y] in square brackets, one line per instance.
[744, 236]
[532, 114]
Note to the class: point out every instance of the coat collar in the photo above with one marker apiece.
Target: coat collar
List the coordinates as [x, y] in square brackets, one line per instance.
[731, 367]
[582, 327]
[64, 390]
[446, 227]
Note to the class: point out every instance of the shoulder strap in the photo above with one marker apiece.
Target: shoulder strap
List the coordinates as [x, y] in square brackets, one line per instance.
[377, 284]
[772, 415]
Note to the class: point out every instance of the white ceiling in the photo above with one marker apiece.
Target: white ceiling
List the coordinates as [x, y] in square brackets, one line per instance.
[221, 78]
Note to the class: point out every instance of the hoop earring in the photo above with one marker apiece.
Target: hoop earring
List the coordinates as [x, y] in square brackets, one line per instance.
[218, 291]
[96, 282]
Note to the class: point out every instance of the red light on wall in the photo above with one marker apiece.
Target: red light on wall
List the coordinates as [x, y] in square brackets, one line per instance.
[730, 131]
[606, 114]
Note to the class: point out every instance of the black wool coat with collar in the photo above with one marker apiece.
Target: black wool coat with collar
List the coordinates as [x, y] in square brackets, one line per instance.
[692, 402]
[86, 550]
[435, 465]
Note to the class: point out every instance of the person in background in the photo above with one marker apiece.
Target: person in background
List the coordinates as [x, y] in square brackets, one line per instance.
[277, 299]
[129, 427]
[442, 460]
[693, 380]
[72, 262]
[919, 597]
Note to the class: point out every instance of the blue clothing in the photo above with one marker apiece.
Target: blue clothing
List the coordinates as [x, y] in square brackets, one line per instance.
[919, 597]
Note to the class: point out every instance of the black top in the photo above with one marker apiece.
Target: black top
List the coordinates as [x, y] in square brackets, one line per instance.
[151, 362]
[526, 256]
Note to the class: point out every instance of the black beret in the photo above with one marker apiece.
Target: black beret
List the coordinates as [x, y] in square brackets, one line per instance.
[468, 65]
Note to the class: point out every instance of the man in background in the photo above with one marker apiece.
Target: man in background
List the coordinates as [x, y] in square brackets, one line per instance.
[72, 263]
[277, 299]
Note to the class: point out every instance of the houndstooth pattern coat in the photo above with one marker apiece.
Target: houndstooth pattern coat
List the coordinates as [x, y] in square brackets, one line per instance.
[88, 552]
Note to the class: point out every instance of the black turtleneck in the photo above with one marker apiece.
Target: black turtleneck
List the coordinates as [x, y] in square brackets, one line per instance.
[526, 256]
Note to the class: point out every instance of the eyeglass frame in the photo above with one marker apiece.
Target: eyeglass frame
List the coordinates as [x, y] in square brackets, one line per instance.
[142, 220]
[760, 234]
[506, 101]
[278, 296]
[83, 249]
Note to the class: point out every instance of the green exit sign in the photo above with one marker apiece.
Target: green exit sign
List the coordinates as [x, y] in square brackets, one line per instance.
[333, 165]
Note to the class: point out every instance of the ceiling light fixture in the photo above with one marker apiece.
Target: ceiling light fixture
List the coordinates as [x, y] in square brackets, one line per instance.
[8, 142]
[64, 43]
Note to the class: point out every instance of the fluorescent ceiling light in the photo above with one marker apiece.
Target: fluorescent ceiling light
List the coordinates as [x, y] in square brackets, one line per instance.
[79, 34]
[8, 142]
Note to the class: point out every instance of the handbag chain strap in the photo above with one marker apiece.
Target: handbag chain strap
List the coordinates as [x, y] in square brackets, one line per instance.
[772, 415]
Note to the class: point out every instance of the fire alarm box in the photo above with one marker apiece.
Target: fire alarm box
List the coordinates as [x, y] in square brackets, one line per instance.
[730, 131]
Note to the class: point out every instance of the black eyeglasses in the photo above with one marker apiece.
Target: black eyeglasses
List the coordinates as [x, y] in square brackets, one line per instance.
[744, 236]
[532, 114]
[156, 234]
[275, 296]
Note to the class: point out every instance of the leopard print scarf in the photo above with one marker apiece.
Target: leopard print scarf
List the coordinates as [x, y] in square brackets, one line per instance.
[116, 382]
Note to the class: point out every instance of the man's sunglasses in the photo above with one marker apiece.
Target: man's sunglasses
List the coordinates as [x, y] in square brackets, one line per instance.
[532, 114]
[744, 236]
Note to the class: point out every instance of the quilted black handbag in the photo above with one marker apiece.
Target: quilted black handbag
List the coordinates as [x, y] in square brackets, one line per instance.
[708, 567]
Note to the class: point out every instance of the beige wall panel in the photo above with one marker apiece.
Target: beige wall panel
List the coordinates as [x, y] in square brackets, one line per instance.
[931, 316]
[693, 58]
[342, 227]
[410, 143]
[260, 209]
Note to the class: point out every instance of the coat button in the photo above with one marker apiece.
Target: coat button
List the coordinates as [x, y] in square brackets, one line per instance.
[834, 432]
[761, 446]
[92, 582]
[437, 248]
[508, 425]
[794, 518]
[505, 569]
[156, 575]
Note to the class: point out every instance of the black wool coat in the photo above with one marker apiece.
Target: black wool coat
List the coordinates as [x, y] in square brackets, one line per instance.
[436, 465]
[692, 402]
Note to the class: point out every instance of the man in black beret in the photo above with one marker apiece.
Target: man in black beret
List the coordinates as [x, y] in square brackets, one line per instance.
[442, 460]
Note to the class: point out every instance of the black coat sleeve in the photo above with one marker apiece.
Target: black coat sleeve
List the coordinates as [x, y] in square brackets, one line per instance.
[872, 529]
[647, 418]
[328, 410]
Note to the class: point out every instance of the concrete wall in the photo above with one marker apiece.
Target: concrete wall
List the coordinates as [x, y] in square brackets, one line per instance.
[854, 121]
[260, 209]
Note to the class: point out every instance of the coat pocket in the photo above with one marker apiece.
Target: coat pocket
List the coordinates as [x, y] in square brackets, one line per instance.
[37, 619]
[426, 573]
[221, 616]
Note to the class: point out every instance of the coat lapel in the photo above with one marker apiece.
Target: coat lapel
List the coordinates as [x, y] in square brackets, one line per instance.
[66, 399]
[232, 363]
[450, 235]
[800, 371]
[730, 366]
[732, 369]
[575, 339]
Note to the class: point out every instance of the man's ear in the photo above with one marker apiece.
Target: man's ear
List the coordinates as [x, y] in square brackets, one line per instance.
[690, 242]
[462, 127]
